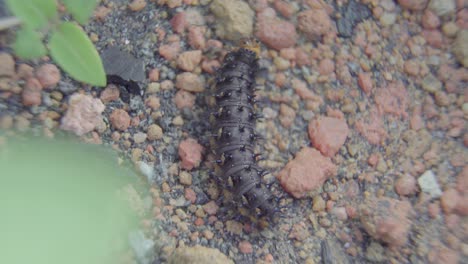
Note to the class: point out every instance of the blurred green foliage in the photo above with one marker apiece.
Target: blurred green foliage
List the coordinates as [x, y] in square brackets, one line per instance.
[69, 45]
[35, 14]
[59, 203]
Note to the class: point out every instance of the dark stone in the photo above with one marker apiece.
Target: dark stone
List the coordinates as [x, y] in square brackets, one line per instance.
[124, 95]
[123, 69]
[202, 198]
[351, 15]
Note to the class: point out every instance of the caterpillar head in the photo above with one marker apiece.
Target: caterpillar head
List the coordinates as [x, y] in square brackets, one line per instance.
[250, 44]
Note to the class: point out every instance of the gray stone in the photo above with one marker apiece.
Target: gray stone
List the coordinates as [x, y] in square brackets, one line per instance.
[123, 68]
[428, 184]
[67, 87]
[375, 253]
[431, 84]
[139, 137]
[442, 7]
[234, 18]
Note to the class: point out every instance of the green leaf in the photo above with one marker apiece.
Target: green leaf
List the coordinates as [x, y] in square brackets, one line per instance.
[63, 208]
[71, 48]
[81, 10]
[34, 13]
[28, 44]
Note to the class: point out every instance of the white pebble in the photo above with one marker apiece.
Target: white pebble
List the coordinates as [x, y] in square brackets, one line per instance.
[428, 184]
[147, 170]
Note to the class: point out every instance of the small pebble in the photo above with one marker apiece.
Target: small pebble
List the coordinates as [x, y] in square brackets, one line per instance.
[388, 19]
[318, 204]
[153, 87]
[210, 208]
[234, 227]
[120, 119]
[405, 185]
[48, 75]
[7, 65]
[178, 121]
[245, 247]
[185, 178]
[431, 84]
[184, 99]
[428, 184]
[365, 82]
[326, 66]
[153, 75]
[24, 71]
[459, 47]
[139, 137]
[31, 95]
[340, 213]
[190, 195]
[137, 5]
[449, 200]
[83, 114]
[450, 29]
[154, 132]
[208, 234]
[189, 60]
[190, 82]
[153, 102]
[110, 93]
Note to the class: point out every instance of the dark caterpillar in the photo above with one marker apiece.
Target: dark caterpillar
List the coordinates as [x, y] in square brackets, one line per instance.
[235, 124]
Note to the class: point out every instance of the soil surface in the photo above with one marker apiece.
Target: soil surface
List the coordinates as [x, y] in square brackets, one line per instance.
[364, 126]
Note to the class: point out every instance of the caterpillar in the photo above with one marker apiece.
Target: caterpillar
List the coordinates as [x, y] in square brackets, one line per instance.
[235, 122]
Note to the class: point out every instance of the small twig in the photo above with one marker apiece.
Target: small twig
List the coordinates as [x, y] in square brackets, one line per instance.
[8, 22]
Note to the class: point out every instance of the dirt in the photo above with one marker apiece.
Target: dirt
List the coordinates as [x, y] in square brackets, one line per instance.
[396, 128]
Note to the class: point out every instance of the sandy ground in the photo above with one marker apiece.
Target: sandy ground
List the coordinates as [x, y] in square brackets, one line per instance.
[364, 110]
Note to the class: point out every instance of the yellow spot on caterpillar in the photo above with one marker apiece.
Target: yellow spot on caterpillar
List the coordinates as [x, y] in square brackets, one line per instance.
[251, 44]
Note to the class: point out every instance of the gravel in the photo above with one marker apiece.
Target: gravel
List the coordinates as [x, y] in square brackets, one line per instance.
[392, 78]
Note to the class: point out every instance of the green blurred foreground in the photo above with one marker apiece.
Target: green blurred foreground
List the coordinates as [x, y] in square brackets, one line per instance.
[58, 204]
